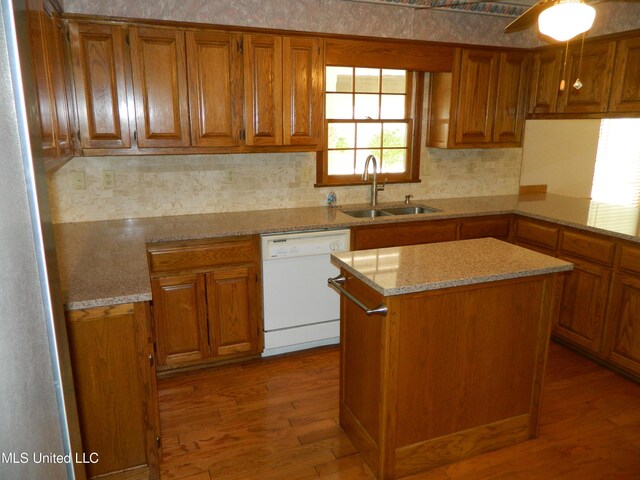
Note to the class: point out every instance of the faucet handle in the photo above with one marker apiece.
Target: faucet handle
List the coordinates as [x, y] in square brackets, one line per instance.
[381, 187]
[407, 199]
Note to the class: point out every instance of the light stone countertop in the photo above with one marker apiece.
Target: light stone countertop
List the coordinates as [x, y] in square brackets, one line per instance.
[417, 268]
[104, 263]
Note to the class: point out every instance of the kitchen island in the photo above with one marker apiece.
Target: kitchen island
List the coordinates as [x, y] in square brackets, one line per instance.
[448, 361]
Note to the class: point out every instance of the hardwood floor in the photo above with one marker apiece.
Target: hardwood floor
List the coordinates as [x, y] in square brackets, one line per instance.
[278, 419]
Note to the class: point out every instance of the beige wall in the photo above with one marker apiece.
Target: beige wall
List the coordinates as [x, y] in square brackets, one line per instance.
[560, 154]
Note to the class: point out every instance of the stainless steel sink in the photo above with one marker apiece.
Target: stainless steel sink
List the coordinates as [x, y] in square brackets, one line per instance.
[383, 212]
[411, 210]
[368, 213]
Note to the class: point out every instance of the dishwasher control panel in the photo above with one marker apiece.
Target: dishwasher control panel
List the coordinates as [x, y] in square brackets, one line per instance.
[304, 244]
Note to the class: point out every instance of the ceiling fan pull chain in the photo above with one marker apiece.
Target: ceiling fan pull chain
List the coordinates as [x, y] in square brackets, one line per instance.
[578, 84]
[564, 68]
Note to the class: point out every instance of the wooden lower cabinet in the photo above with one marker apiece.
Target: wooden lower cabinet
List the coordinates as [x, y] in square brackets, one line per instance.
[207, 303]
[399, 234]
[583, 305]
[497, 226]
[115, 384]
[622, 344]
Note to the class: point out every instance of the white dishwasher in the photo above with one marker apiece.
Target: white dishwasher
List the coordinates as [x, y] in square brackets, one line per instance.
[300, 311]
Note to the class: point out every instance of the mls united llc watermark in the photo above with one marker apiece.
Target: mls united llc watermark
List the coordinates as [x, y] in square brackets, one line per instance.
[41, 457]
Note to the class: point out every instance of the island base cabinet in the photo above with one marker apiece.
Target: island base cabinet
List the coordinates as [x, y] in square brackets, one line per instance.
[446, 374]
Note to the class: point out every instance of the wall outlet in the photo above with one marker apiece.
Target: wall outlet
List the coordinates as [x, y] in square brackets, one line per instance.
[227, 176]
[108, 179]
[78, 181]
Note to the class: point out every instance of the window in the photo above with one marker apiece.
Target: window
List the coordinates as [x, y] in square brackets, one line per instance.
[616, 179]
[368, 111]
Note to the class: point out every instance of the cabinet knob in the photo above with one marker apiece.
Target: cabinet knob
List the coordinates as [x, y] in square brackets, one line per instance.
[151, 359]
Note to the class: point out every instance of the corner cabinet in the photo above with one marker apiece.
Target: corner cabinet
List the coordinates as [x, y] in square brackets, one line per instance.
[283, 82]
[481, 104]
[206, 300]
[114, 376]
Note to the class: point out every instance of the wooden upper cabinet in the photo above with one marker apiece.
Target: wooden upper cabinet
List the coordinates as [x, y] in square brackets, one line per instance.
[625, 83]
[476, 98]
[263, 89]
[481, 104]
[101, 89]
[594, 71]
[545, 81]
[302, 78]
[215, 88]
[510, 100]
[160, 87]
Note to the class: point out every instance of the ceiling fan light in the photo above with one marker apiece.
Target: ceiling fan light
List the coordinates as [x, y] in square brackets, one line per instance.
[566, 19]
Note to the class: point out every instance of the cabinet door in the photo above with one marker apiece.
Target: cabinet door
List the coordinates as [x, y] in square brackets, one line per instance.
[180, 319]
[263, 89]
[215, 88]
[101, 91]
[476, 98]
[594, 71]
[582, 310]
[625, 83]
[46, 104]
[160, 87]
[233, 311]
[623, 324]
[510, 100]
[302, 79]
[115, 387]
[545, 81]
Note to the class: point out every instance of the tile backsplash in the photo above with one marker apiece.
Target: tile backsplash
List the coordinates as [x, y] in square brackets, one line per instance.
[152, 186]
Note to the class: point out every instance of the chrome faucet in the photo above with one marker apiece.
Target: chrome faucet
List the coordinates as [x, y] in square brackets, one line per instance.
[375, 188]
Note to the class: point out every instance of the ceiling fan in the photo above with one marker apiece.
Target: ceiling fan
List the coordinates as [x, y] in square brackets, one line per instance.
[558, 19]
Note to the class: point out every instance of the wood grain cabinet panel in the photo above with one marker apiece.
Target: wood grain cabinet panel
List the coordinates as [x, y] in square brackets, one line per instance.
[594, 70]
[215, 87]
[588, 246]
[495, 226]
[263, 89]
[583, 304]
[302, 79]
[510, 100]
[538, 234]
[179, 318]
[115, 385]
[98, 56]
[233, 318]
[481, 104]
[476, 99]
[160, 87]
[410, 233]
[545, 81]
[623, 324]
[625, 83]
[208, 306]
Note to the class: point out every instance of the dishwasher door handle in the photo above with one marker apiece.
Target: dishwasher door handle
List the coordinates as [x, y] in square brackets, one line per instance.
[336, 284]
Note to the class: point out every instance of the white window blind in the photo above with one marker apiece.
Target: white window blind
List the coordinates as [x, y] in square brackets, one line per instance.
[616, 179]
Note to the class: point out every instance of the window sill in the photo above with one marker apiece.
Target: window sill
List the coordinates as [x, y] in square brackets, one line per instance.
[319, 185]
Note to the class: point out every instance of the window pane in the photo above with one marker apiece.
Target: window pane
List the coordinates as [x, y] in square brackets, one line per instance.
[339, 105]
[394, 81]
[367, 106]
[340, 162]
[367, 80]
[342, 135]
[394, 135]
[369, 135]
[392, 106]
[361, 157]
[339, 79]
[394, 160]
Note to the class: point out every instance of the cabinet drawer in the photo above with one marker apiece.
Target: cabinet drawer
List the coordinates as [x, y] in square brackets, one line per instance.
[497, 227]
[537, 233]
[410, 233]
[588, 246]
[630, 259]
[175, 256]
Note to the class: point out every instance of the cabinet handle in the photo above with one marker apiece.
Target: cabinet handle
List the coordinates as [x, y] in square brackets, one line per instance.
[336, 284]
